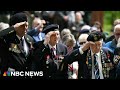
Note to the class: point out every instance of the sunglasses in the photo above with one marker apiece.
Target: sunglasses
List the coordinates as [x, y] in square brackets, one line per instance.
[117, 34]
[81, 43]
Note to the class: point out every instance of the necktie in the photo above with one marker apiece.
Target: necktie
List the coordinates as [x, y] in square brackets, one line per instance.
[96, 68]
[52, 51]
[24, 45]
[21, 43]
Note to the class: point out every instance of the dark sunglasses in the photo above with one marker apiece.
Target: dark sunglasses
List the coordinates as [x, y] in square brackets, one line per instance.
[81, 43]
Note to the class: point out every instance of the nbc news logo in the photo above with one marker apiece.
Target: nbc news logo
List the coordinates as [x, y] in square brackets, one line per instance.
[21, 73]
[7, 73]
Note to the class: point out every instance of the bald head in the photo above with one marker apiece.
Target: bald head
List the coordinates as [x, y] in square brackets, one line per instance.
[82, 38]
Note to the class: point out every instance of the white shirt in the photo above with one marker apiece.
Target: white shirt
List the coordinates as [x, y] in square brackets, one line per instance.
[98, 59]
[25, 46]
[53, 47]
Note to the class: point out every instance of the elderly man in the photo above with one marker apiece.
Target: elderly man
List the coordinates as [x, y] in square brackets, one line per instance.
[112, 44]
[82, 39]
[15, 45]
[94, 61]
[37, 27]
[48, 52]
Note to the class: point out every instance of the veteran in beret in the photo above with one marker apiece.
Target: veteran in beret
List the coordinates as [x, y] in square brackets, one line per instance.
[15, 45]
[47, 54]
[95, 62]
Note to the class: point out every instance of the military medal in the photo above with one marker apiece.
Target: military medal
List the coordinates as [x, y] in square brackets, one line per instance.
[47, 61]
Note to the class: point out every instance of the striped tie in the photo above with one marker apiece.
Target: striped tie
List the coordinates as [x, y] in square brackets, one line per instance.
[52, 51]
[96, 69]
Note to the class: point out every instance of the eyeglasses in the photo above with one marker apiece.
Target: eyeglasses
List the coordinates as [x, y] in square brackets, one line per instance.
[81, 43]
[117, 34]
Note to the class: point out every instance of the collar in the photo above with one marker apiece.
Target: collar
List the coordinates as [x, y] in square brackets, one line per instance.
[52, 46]
[20, 37]
[95, 53]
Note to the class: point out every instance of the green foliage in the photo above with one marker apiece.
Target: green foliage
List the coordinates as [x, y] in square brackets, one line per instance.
[109, 17]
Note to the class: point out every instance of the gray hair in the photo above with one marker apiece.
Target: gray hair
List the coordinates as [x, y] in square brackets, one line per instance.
[117, 26]
[68, 39]
[65, 31]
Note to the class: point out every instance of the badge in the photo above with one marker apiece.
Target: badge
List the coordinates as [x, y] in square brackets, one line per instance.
[47, 62]
[47, 59]
[14, 48]
[95, 38]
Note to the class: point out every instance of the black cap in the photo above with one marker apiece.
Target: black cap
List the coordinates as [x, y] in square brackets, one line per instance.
[95, 36]
[49, 28]
[17, 18]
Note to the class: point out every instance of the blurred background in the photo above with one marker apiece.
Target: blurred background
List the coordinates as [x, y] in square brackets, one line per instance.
[106, 18]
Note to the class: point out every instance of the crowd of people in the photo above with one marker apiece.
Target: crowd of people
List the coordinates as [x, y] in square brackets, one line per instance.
[64, 48]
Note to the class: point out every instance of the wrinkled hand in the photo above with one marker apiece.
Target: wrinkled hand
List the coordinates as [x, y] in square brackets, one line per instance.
[20, 25]
[41, 25]
[86, 46]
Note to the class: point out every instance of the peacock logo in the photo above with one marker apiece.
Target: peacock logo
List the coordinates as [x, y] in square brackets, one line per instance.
[6, 73]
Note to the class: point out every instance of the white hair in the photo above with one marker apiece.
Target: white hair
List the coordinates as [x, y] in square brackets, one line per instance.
[83, 37]
[117, 26]
[48, 35]
[85, 27]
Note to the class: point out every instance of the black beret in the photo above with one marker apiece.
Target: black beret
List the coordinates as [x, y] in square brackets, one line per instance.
[17, 18]
[95, 36]
[51, 27]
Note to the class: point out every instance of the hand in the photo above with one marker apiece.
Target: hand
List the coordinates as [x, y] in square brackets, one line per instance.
[86, 46]
[66, 18]
[40, 25]
[21, 28]
[20, 25]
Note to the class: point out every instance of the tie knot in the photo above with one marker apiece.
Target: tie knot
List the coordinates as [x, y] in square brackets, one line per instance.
[94, 55]
[53, 48]
[21, 41]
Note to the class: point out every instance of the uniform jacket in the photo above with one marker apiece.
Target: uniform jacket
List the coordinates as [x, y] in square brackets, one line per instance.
[85, 65]
[44, 62]
[11, 53]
